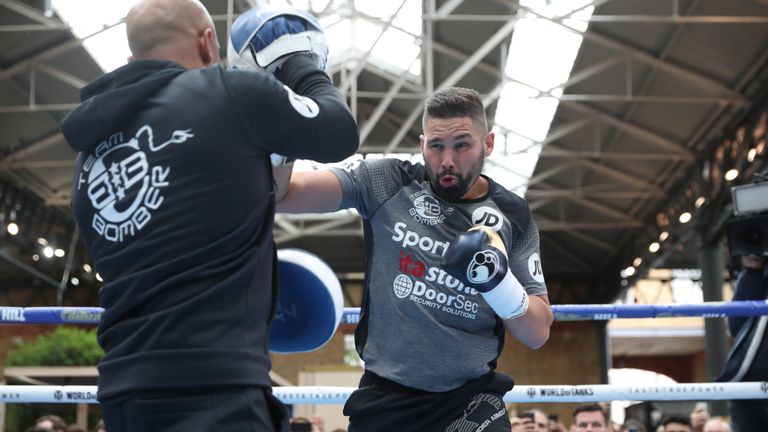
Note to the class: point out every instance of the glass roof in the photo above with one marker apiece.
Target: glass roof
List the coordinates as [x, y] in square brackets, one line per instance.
[541, 56]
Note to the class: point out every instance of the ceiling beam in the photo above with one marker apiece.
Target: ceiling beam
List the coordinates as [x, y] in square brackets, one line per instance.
[499, 36]
[37, 164]
[27, 268]
[547, 225]
[336, 222]
[448, 7]
[31, 13]
[573, 257]
[33, 147]
[382, 106]
[600, 208]
[640, 132]
[535, 194]
[629, 50]
[620, 175]
[552, 150]
[345, 86]
[51, 52]
[624, 98]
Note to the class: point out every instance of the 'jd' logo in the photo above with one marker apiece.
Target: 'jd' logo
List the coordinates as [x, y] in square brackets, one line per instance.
[487, 216]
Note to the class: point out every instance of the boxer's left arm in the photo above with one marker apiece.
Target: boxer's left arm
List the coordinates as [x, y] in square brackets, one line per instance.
[532, 329]
[527, 318]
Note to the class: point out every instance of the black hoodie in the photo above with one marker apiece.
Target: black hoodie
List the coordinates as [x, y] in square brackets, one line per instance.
[173, 194]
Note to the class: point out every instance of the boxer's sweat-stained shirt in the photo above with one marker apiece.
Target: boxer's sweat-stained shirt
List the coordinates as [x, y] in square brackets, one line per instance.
[173, 195]
[419, 326]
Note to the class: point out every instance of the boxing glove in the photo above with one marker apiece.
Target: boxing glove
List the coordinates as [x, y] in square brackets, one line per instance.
[263, 39]
[477, 258]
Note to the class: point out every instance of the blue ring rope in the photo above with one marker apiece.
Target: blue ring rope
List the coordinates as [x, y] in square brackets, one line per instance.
[586, 312]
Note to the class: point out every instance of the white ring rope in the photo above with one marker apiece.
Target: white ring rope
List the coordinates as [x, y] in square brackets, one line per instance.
[325, 395]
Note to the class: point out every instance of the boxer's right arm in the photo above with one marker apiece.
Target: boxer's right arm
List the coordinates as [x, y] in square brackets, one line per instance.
[306, 191]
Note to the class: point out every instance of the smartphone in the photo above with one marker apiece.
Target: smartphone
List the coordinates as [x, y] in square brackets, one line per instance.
[529, 416]
[301, 427]
[554, 418]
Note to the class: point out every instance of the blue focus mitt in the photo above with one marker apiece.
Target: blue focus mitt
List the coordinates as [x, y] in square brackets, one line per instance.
[263, 38]
[310, 303]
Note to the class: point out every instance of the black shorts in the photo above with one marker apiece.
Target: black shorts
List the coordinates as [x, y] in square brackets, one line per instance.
[380, 405]
[239, 409]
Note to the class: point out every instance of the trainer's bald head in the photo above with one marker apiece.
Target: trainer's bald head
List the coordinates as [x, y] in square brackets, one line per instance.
[178, 30]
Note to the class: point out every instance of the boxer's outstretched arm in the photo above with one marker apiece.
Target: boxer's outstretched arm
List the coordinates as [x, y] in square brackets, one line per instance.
[306, 192]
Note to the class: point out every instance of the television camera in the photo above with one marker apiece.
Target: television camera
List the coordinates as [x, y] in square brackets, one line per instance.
[747, 230]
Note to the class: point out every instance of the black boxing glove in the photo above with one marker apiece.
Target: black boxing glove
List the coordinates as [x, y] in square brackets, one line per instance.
[477, 258]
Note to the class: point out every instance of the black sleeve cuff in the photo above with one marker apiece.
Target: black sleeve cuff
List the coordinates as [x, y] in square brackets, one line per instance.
[300, 70]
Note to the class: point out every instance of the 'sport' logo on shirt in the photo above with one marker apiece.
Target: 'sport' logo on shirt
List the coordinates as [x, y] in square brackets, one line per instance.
[122, 186]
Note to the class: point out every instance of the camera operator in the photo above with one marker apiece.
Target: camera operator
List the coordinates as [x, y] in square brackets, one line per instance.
[752, 284]
[748, 359]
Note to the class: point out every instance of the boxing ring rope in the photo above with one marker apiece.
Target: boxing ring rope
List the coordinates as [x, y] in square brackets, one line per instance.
[520, 394]
[325, 395]
[586, 312]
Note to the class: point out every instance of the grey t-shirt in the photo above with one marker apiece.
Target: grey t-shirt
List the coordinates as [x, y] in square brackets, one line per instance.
[419, 326]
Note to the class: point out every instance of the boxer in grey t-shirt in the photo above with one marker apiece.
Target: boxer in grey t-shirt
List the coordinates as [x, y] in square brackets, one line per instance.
[429, 336]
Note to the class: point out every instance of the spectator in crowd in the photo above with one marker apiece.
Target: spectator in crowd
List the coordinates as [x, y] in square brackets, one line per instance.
[99, 427]
[554, 424]
[699, 416]
[535, 420]
[51, 422]
[632, 425]
[316, 423]
[517, 424]
[677, 423]
[590, 417]
[717, 424]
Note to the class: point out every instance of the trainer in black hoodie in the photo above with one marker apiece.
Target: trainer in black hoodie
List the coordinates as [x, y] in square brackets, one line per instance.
[174, 197]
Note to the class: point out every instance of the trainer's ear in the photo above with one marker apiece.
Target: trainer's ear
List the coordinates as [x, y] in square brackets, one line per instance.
[310, 303]
[208, 47]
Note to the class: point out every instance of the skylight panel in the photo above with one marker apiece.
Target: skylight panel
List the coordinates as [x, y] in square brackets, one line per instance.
[88, 19]
[541, 56]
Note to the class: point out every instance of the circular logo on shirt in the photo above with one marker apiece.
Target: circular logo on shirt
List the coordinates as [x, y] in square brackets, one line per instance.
[534, 267]
[402, 286]
[122, 185]
[487, 216]
[427, 207]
